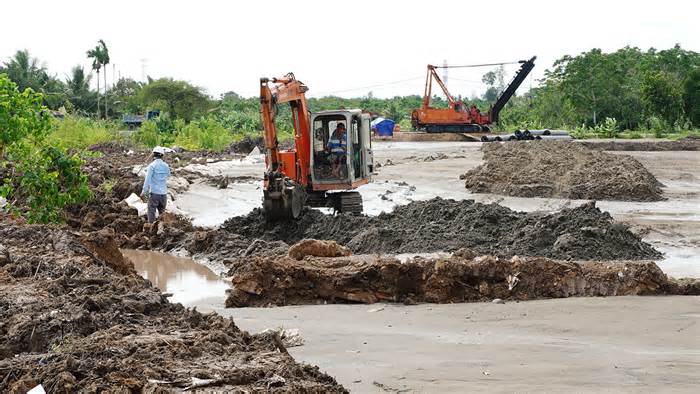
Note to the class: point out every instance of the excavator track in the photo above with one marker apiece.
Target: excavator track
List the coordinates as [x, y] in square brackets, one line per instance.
[349, 202]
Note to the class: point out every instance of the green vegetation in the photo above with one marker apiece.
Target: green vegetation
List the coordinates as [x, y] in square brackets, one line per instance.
[78, 133]
[178, 98]
[653, 91]
[37, 179]
[628, 93]
[100, 58]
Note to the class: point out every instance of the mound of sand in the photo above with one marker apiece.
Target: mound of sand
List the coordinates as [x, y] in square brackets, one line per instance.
[561, 169]
[579, 233]
[263, 281]
[683, 144]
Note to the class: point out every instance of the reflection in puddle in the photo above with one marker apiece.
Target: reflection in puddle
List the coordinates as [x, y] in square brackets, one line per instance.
[188, 281]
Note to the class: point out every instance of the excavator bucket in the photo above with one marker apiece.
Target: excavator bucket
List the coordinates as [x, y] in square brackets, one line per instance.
[284, 201]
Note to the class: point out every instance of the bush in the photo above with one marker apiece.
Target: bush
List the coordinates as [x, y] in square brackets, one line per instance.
[22, 116]
[205, 133]
[49, 181]
[657, 126]
[38, 180]
[607, 129]
[75, 132]
[148, 135]
[635, 135]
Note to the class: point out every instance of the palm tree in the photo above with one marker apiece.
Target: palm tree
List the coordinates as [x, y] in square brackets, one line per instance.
[78, 86]
[105, 61]
[26, 71]
[96, 54]
[100, 58]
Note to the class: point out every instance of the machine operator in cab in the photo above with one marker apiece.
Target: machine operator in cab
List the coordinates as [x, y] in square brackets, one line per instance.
[338, 147]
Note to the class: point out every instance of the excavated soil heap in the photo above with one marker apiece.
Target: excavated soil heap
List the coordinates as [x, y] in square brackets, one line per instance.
[561, 169]
[262, 281]
[74, 317]
[581, 233]
[683, 144]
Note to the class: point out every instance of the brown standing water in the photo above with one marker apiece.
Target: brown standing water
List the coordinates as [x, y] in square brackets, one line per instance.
[191, 283]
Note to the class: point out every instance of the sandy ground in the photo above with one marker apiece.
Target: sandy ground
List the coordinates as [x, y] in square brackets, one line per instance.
[616, 344]
[619, 344]
[423, 170]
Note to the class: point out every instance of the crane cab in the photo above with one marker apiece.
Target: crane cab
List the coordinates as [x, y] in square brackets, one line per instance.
[339, 162]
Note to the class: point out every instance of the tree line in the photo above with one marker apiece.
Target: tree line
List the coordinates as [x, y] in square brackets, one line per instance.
[639, 90]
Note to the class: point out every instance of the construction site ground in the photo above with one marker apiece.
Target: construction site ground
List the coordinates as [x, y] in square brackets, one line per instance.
[623, 344]
[583, 344]
[620, 344]
[628, 343]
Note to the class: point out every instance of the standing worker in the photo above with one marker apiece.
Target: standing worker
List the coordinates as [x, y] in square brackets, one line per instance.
[155, 185]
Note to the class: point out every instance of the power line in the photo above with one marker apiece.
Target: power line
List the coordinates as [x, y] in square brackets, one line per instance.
[480, 65]
[370, 86]
[467, 80]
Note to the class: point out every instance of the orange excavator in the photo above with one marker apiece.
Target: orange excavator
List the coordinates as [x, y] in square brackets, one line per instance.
[457, 118]
[311, 173]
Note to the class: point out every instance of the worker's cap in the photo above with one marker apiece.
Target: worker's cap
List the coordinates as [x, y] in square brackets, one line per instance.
[161, 150]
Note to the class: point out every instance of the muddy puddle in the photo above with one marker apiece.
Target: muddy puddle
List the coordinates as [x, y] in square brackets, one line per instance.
[189, 282]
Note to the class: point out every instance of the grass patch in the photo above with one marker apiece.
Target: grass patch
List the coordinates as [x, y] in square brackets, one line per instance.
[74, 132]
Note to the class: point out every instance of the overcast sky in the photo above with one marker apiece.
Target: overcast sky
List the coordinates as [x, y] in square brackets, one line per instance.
[346, 48]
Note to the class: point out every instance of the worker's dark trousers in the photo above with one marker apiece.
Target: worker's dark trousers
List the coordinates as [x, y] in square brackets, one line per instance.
[156, 202]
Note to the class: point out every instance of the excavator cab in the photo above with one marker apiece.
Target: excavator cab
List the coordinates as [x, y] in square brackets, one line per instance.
[353, 168]
[353, 161]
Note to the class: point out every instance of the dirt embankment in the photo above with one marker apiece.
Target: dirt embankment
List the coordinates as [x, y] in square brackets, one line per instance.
[262, 281]
[434, 225]
[74, 317]
[112, 180]
[683, 144]
[561, 169]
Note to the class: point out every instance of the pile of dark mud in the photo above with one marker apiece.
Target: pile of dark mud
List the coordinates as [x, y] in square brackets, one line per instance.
[562, 169]
[683, 144]
[247, 144]
[463, 277]
[581, 233]
[74, 317]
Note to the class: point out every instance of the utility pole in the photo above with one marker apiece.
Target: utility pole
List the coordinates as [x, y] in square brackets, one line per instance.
[144, 63]
[444, 72]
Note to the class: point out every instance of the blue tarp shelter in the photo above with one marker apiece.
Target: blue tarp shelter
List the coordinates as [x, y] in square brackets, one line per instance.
[384, 127]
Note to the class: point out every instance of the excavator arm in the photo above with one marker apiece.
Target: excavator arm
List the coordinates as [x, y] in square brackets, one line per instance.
[287, 171]
[286, 90]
